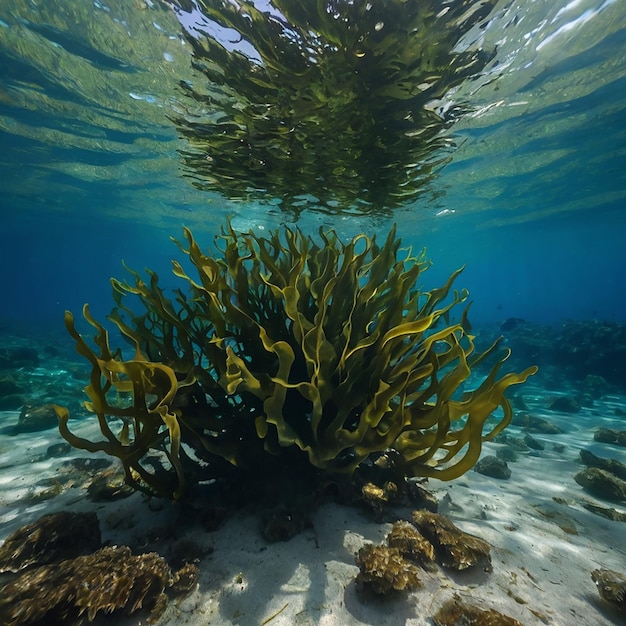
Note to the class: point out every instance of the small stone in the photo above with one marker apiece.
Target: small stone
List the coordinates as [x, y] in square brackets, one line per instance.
[617, 468]
[87, 464]
[586, 399]
[536, 424]
[602, 484]
[565, 404]
[493, 466]
[534, 444]
[507, 454]
[58, 450]
[421, 497]
[514, 442]
[35, 417]
[596, 384]
[279, 525]
[545, 427]
[612, 514]
[611, 586]
[608, 435]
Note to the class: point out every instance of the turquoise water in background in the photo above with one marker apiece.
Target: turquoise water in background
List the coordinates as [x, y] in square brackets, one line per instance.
[532, 201]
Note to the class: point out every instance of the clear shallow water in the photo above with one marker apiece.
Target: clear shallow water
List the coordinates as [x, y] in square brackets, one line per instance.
[531, 200]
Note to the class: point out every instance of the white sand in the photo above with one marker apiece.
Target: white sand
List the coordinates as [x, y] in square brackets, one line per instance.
[543, 552]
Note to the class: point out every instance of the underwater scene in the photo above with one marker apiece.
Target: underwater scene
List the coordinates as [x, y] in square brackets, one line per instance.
[313, 312]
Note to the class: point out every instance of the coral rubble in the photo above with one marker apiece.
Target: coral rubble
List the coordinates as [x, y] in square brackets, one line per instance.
[431, 537]
[411, 543]
[565, 404]
[109, 579]
[454, 548]
[51, 538]
[457, 612]
[611, 586]
[383, 569]
[61, 574]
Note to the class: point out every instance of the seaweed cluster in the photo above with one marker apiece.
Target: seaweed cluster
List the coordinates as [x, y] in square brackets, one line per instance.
[454, 548]
[107, 580]
[334, 103]
[62, 575]
[53, 537]
[429, 538]
[384, 569]
[287, 348]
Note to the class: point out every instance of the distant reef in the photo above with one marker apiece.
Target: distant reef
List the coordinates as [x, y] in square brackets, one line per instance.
[589, 351]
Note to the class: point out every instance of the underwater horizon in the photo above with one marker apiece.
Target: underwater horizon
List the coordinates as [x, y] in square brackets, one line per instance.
[331, 250]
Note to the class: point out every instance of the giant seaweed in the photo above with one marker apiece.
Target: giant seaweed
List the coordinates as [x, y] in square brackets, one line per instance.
[329, 103]
[288, 345]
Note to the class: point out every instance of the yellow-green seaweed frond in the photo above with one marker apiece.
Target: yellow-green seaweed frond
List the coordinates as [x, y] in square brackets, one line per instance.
[292, 343]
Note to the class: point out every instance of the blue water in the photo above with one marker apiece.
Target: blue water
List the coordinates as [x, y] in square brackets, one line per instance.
[532, 201]
[559, 267]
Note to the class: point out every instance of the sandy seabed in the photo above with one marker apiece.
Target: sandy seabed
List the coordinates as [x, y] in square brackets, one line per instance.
[544, 543]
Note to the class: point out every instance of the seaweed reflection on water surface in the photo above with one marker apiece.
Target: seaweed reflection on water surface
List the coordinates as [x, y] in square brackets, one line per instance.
[330, 104]
[286, 353]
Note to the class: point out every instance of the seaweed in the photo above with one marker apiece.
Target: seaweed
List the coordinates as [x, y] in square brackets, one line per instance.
[331, 104]
[383, 569]
[411, 543]
[288, 347]
[50, 538]
[109, 580]
[63, 575]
